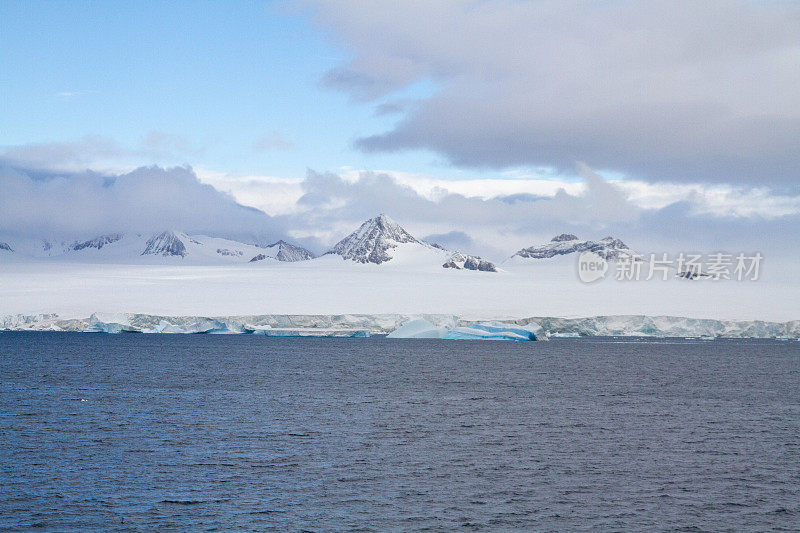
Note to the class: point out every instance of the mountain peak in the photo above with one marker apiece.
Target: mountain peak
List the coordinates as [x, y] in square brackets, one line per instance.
[289, 252]
[608, 248]
[564, 237]
[166, 243]
[371, 242]
[98, 242]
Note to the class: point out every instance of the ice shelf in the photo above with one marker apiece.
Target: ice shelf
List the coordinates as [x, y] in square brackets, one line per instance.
[407, 325]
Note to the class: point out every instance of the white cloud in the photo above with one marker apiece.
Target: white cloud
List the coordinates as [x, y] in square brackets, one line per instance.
[274, 141]
[101, 153]
[36, 204]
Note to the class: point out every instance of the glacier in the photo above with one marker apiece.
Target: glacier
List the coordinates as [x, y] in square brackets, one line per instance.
[497, 331]
[418, 329]
[416, 325]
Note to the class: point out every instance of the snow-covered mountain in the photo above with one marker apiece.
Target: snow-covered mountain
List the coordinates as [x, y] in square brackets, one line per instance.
[469, 262]
[380, 240]
[284, 251]
[167, 244]
[374, 241]
[609, 248]
[166, 247]
[98, 242]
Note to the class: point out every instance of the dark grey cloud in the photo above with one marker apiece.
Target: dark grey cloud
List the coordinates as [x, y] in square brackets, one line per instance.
[678, 90]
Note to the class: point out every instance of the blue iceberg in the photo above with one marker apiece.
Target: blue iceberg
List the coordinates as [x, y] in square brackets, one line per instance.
[497, 331]
[418, 329]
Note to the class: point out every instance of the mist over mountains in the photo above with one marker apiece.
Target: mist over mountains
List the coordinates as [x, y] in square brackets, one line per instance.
[74, 207]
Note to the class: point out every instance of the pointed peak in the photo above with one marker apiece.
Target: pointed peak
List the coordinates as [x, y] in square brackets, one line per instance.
[166, 243]
[564, 237]
[383, 220]
[371, 242]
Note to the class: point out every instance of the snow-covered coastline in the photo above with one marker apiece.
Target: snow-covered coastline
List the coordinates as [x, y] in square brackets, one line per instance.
[382, 270]
[352, 324]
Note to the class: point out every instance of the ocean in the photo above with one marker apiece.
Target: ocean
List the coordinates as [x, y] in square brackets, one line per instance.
[210, 432]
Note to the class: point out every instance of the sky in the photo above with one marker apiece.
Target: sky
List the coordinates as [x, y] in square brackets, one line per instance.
[488, 125]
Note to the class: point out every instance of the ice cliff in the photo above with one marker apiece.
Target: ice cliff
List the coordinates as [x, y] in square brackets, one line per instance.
[436, 324]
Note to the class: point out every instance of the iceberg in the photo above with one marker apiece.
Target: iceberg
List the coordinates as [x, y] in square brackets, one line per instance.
[110, 323]
[499, 331]
[418, 329]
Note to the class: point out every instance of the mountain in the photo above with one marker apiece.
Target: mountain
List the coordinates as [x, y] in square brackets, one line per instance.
[167, 244]
[165, 247]
[284, 251]
[461, 261]
[609, 248]
[372, 242]
[97, 242]
[381, 239]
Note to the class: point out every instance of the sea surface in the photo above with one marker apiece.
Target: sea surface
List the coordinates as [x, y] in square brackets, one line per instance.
[205, 433]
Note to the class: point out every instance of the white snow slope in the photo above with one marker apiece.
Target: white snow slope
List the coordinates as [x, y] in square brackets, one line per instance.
[215, 277]
[410, 283]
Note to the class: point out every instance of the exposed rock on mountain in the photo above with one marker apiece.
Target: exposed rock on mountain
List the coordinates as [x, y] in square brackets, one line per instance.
[372, 241]
[97, 242]
[166, 244]
[609, 248]
[469, 262]
[290, 252]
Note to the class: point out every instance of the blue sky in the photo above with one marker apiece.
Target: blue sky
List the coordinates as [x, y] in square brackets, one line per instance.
[212, 77]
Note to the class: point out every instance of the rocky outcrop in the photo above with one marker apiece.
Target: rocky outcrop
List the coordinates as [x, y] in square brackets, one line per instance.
[167, 244]
[609, 248]
[97, 242]
[461, 261]
[372, 241]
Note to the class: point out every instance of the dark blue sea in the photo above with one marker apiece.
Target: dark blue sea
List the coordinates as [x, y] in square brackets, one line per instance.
[209, 433]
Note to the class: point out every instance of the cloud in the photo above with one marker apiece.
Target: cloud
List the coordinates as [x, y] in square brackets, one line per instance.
[98, 152]
[64, 155]
[676, 91]
[332, 205]
[453, 240]
[159, 144]
[322, 208]
[69, 95]
[148, 199]
[273, 141]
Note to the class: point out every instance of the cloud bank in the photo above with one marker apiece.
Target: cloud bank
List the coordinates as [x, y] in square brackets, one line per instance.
[327, 206]
[46, 204]
[686, 90]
